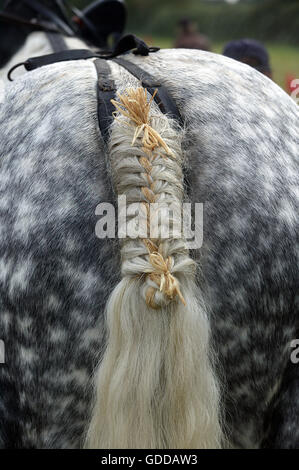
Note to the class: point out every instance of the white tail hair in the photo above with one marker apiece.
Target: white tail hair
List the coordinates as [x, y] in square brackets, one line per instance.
[155, 386]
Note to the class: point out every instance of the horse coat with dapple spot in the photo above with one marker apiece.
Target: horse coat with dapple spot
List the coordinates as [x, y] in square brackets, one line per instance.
[241, 147]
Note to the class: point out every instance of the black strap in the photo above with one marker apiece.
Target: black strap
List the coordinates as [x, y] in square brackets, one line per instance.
[72, 54]
[162, 97]
[57, 42]
[106, 90]
[106, 87]
[125, 44]
[63, 56]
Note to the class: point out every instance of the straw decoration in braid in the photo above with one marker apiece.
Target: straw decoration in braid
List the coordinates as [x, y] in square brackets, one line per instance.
[135, 106]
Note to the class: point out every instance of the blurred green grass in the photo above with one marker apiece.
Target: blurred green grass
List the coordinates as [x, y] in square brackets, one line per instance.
[284, 58]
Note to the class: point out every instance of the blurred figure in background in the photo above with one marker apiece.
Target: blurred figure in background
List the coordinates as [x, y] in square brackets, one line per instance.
[190, 38]
[250, 52]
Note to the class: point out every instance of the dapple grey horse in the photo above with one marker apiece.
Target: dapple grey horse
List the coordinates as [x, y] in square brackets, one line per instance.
[241, 146]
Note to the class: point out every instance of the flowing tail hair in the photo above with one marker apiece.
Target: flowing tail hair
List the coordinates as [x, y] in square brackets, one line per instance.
[155, 386]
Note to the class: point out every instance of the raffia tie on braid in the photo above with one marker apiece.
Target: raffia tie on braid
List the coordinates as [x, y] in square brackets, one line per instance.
[162, 276]
[135, 106]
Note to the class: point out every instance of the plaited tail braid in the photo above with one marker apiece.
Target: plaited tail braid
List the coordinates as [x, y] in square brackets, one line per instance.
[155, 386]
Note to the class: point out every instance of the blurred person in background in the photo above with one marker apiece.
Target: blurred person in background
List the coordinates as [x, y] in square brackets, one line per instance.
[250, 52]
[189, 37]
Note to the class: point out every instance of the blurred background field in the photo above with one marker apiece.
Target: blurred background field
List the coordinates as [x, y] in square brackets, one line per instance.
[284, 57]
[274, 22]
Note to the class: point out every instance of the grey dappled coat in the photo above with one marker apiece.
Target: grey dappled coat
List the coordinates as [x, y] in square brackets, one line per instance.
[242, 146]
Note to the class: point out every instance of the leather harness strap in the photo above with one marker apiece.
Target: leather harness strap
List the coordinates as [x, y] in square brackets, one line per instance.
[62, 56]
[57, 41]
[125, 44]
[162, 97]
[106, 90]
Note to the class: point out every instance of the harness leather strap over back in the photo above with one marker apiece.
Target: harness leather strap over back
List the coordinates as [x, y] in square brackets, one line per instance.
[57, 41]
[162, 97]
[106, 88]
[125, 44]
[62, 56]
[106, 92]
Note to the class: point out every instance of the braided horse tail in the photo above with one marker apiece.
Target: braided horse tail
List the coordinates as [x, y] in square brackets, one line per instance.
[155, 387]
